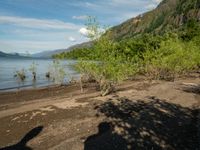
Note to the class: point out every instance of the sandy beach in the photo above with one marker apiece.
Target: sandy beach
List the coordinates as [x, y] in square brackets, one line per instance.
[140, 114]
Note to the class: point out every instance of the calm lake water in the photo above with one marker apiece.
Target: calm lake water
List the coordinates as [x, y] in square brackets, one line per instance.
[8, 67]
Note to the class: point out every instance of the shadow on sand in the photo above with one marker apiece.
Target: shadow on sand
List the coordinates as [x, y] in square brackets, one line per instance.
[145, 125]
[21, 145]
[192, 89]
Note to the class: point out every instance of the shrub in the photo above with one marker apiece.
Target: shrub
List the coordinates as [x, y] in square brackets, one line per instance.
[56, 73]
[173, 58]
[20, 75]
[33, 70]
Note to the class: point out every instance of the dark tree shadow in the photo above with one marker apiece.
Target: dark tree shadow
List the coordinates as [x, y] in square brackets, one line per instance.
[145, 125]
[21, 145]
[104, 139]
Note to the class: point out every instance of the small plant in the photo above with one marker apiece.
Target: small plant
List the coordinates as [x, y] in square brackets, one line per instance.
[47, 75]
[56, 73]
[33, 69]
[20, 75]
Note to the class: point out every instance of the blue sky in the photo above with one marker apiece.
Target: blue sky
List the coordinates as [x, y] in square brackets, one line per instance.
[37, 25]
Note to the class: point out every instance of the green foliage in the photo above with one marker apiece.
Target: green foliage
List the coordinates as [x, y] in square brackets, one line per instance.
[190, 30]
[174, 57]
[159, 56]
[84, 53]
[157, 22]
[107, 73]
[185, 5]
[109, 66]
[128, 49]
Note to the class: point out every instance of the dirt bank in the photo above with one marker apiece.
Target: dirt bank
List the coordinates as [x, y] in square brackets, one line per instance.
[139, 115]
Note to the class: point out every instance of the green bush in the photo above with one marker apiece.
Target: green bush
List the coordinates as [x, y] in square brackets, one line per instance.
[56, 72]
[107, 73]
[173, 58]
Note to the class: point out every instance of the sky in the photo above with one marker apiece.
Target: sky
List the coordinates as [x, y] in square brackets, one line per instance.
[32, 26]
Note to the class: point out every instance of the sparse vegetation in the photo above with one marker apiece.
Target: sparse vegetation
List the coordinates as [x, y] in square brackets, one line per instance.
[56, 73]
[33, 70]
[20, 75]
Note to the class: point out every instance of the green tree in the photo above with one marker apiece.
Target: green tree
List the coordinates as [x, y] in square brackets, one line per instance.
[110, 68]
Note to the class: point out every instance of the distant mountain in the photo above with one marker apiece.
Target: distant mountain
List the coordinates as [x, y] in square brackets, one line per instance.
[169, 15]
[13, 55]
[48, 54]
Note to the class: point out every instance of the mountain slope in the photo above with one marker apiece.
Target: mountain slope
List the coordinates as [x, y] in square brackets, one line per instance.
[170, 14]
[48, 54]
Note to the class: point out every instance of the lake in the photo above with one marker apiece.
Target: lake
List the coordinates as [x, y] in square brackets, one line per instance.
[9, 66]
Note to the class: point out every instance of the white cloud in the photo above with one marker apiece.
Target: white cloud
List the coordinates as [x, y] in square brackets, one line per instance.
[38, 23]
[72, 39]
[84, 17]
[84, 31]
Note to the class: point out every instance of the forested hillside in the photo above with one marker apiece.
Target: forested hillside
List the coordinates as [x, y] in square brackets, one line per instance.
[169, 15]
